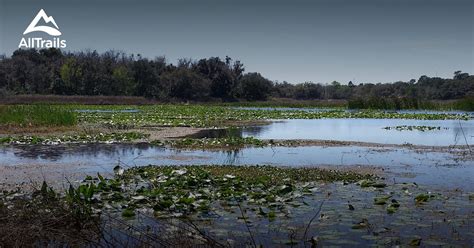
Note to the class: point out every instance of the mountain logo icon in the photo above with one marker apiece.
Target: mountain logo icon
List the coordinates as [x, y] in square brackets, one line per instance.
[47, 29]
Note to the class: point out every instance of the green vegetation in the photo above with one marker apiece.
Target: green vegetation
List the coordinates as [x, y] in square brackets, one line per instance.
[389, 103]
[207, 79]
[412, 128]
[421, 198]
[183, 190]
[287, 103]
[212, 116]
[270, 205]
[176, 115]
[371, 183]
[230, 142]
[79, 138]
[467, 103]
[36, 115]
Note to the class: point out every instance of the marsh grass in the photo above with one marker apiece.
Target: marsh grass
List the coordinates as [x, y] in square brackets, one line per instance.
[466, 104]
[36, 115]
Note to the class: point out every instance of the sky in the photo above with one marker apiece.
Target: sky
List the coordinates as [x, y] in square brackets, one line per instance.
[364, 41]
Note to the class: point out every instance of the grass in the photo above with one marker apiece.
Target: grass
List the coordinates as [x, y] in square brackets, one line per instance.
[289, 103]
[36, 115]
[465, 104]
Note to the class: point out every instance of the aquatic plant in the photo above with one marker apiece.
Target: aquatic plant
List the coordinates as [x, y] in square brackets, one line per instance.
[412, 128]
[261, 205]
[219, 116]
[78, 138]
[230, 142]
[182, 190]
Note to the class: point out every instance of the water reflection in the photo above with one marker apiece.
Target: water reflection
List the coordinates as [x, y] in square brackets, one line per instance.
[431, 168]
[450, 132]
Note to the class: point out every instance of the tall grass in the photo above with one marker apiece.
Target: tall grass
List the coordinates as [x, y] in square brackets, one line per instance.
[465, 104]
[36, 115]
[288, 103]
[388, 103]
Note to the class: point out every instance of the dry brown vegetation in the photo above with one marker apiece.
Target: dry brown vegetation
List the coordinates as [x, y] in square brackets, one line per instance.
[95, 100]
[42, 221]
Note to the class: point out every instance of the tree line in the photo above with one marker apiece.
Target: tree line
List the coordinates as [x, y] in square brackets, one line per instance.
[51, 71]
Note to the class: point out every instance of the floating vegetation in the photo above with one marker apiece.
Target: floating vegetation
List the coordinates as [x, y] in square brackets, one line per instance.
[413, 128]
[120, 116]
[393, 207]
[81, 138]
[264, 205]
[211, 116]
[372, 183]
[422, 198]
[230, 142]
[171, 191]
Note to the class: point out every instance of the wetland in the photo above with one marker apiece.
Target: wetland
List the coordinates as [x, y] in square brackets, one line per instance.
[238, 176]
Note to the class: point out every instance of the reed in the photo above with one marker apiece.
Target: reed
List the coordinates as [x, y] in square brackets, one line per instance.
[36, 115]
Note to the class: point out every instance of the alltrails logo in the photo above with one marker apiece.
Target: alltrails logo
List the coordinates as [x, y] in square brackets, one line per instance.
[38, 42]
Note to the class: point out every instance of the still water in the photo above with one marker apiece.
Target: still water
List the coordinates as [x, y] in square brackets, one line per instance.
[447, 132]
[430, 168]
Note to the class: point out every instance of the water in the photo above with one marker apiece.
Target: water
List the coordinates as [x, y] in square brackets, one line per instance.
[451, 132]
[436, 169]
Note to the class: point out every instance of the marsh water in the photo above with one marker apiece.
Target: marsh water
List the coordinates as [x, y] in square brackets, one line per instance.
[409, 171]
[434, 168]
[383, 131]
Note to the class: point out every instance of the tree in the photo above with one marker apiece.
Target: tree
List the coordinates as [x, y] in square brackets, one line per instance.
[254, 87]
[186, 85]
[70, 80]
[146, 79]
[122, 81]
[308, 90]
[459, 75]
[223, 75]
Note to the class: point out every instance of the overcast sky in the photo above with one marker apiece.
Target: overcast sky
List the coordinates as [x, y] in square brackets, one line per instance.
[293, 40]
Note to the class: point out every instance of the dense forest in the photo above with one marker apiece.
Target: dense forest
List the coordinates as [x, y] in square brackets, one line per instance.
[52, 71]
